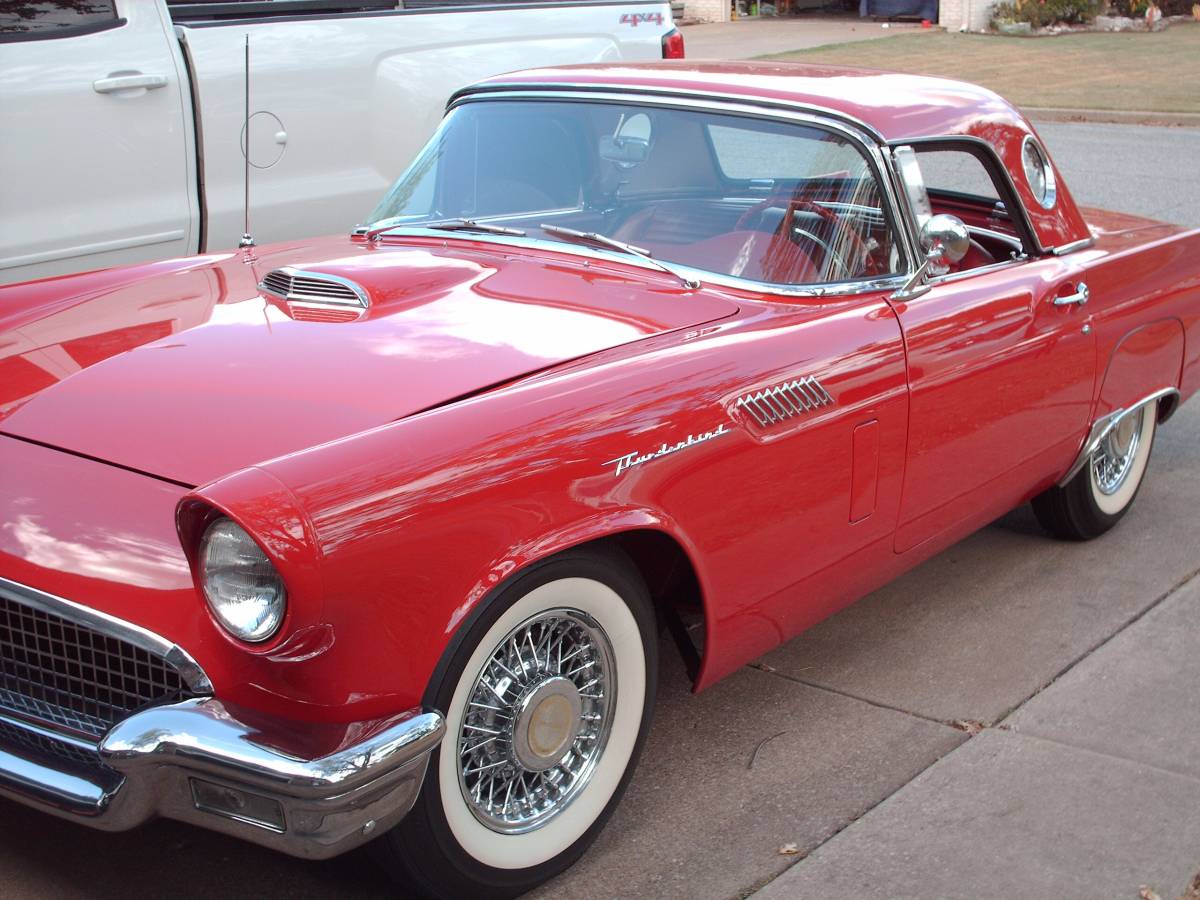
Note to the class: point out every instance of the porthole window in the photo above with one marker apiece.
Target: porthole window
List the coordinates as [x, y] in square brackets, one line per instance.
[1038, 172]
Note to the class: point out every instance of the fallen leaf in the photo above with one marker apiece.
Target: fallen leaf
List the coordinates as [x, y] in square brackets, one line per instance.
[1147, 893]
[970, 726]
[793, 850]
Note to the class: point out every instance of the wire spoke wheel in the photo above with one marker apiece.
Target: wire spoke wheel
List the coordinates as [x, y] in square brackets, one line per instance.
[537, 720]
[1113, 460]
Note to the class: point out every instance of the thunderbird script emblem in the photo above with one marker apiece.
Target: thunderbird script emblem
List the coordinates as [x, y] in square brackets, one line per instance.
[630, 460]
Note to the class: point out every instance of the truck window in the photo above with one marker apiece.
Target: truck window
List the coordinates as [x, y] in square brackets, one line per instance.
[27, 21]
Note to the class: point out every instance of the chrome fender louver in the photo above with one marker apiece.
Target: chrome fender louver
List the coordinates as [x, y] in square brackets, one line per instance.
[314, 288]
[784, 401]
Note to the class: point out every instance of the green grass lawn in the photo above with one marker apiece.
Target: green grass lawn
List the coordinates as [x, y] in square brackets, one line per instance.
[1156, 72]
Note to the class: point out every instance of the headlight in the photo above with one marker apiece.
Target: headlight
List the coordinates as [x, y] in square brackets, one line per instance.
[241, 585]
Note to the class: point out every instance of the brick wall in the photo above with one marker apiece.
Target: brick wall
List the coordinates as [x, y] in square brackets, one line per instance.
[978, 14]
[707, 10]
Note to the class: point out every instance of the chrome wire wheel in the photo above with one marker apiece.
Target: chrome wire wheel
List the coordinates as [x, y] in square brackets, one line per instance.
[537, 720]
[1113, 460]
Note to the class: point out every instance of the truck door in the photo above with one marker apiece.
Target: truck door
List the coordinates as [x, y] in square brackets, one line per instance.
[97, 139]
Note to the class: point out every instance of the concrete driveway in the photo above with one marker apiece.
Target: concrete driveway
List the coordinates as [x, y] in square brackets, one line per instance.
[1078, 662]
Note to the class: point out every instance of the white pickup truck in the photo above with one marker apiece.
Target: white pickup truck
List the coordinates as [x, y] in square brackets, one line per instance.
[121, 121]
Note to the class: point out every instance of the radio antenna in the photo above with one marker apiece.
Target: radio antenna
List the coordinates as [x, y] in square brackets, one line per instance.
[247, 240]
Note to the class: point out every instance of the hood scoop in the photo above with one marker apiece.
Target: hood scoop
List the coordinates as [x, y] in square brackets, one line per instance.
[315, 296]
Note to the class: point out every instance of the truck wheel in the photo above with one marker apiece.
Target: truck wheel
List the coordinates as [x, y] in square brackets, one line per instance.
[1102, 491]
[548, 697]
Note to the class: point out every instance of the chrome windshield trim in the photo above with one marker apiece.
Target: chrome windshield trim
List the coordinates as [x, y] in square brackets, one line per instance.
[832, 288]
[1104, 426]
[140, 637]
[623, 90]
[861, 135]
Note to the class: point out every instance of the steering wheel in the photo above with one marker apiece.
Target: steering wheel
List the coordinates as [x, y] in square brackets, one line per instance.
[798, 203]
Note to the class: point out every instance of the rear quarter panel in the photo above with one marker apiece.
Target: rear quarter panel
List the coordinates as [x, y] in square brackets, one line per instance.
[1145, 307]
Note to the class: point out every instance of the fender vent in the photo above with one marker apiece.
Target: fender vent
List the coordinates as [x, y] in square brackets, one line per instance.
[314, 288]
[784, 401]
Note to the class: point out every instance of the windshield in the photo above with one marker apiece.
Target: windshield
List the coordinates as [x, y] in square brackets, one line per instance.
[759, 199]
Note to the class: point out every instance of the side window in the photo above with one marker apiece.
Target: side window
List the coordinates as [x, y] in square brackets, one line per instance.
[959, 180]
[34, 20]
[955, 173]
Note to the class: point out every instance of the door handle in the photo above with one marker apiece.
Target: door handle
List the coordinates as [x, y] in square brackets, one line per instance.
[128, 82]
[1078, 298]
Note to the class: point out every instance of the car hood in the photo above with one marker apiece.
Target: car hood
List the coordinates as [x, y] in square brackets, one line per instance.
[186, 371]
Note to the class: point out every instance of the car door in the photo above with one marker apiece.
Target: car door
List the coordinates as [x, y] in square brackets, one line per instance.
[1002, 365]
[97, 139]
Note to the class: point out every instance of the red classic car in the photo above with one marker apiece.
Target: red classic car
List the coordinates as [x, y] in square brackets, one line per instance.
[368, 538]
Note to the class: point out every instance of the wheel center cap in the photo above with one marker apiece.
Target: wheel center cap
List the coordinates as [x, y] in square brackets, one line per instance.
[1122, 436]
[547, 723]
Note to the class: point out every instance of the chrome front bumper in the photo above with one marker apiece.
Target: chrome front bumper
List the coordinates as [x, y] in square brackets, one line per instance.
[196, 762]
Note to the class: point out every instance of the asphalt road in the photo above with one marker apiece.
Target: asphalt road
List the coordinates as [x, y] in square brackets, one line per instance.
[849, 721]
[1141, 169]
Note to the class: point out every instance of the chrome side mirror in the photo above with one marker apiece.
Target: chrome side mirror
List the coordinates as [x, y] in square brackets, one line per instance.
[945, 239]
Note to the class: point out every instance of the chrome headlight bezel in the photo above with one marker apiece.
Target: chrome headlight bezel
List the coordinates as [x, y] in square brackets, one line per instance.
[229, 560]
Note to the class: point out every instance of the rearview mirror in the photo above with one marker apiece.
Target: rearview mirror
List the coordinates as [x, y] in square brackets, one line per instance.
[629, 144]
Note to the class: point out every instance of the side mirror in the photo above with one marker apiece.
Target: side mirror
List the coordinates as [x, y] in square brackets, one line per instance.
[945, 239]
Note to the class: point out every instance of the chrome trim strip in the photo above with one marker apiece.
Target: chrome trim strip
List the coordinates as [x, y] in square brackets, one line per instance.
[147, 640]
[1081, 244]
[1104, 425]
[839, 288]
[616, 88]
[7, 717]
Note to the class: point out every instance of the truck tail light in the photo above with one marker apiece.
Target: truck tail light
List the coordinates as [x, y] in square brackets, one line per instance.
[672, 44]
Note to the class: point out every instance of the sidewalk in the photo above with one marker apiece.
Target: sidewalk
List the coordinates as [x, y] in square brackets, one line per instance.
[1090, 789]
[748, 38]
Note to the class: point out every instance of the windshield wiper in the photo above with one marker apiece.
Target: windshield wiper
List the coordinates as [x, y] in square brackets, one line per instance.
[591, 237]
[472, 225]
[446, 225]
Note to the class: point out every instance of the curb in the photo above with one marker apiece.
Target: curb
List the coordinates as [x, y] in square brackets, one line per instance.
[1115, 116]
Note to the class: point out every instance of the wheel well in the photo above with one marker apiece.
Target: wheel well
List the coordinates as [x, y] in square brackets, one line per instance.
[671, 579]
[1167, 406]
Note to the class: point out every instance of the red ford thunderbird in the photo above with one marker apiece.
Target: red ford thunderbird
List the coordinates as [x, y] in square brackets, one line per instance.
[367, 539]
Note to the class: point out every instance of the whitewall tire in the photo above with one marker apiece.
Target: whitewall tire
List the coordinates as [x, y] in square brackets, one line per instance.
[547, 695]
[1101, 492]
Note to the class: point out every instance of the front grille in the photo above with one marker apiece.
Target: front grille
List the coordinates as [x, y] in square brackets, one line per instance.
[71, 676]
[39, 745]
